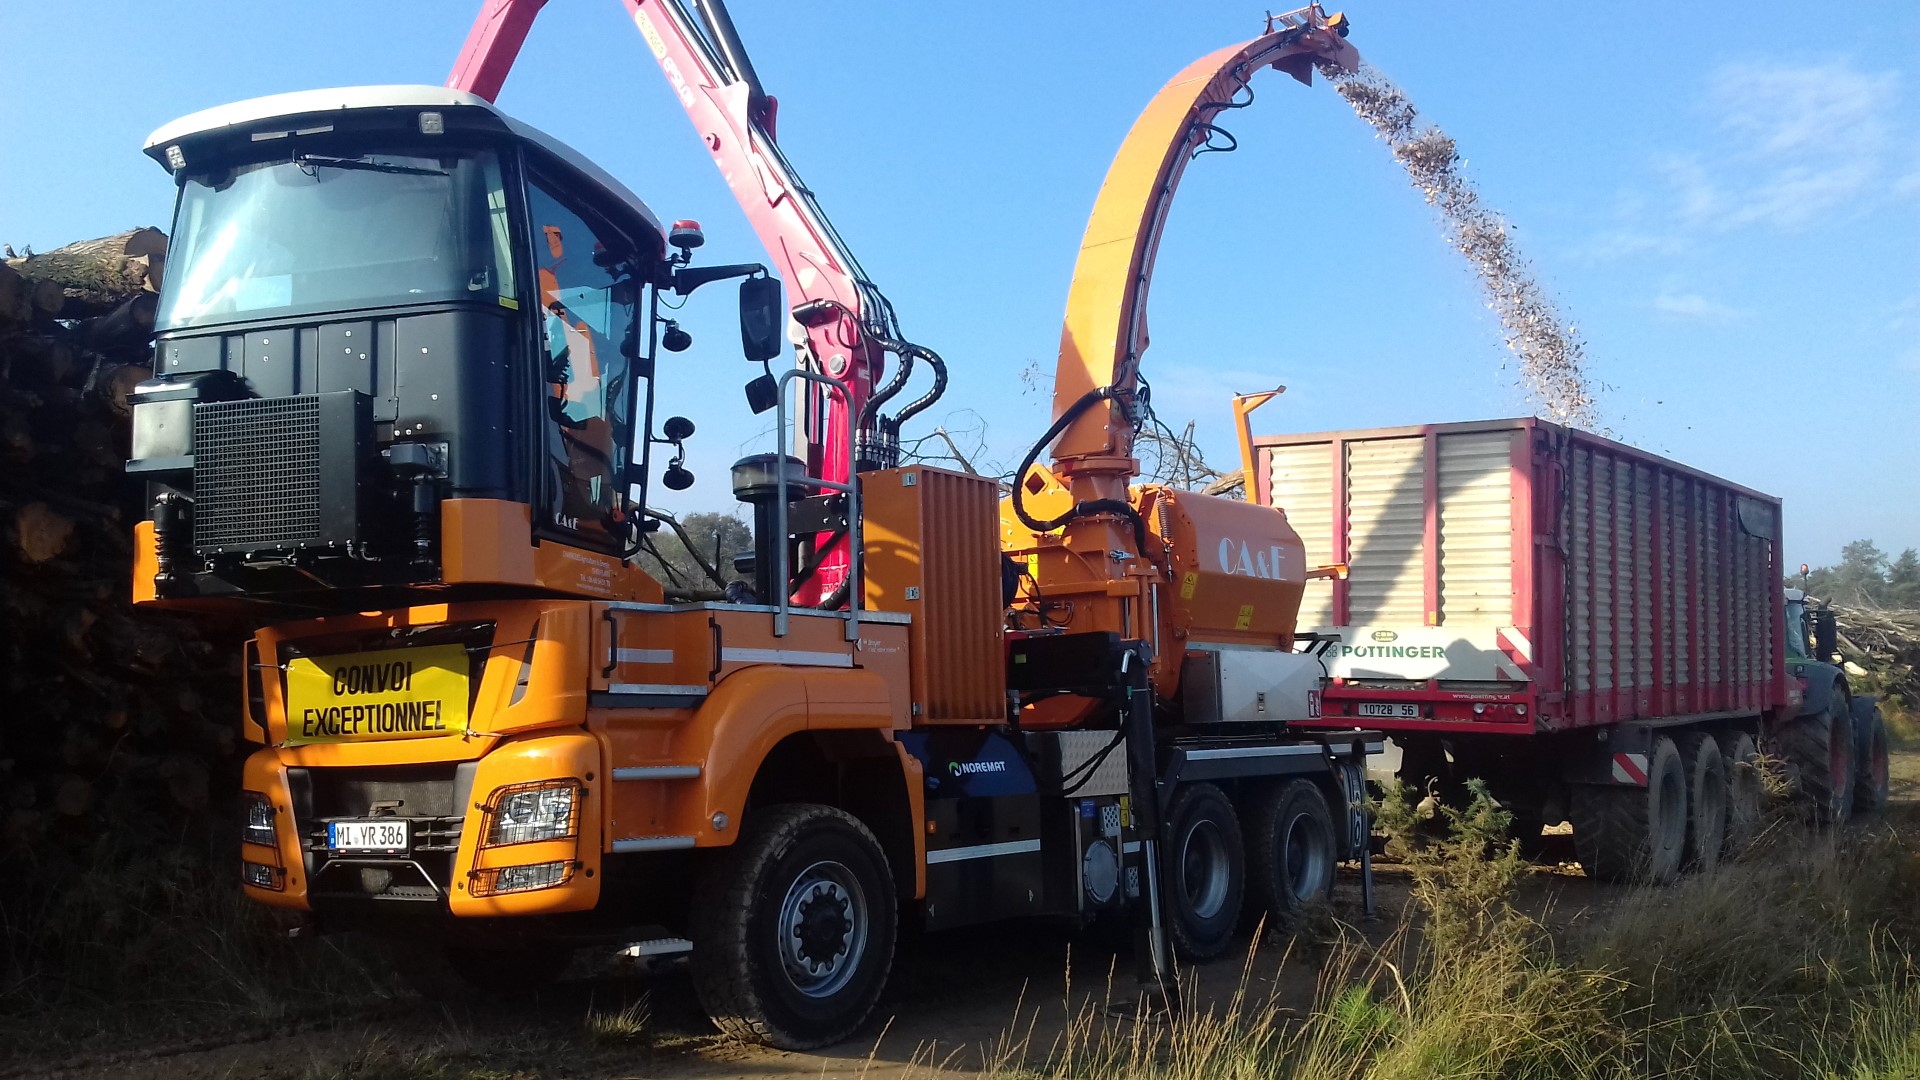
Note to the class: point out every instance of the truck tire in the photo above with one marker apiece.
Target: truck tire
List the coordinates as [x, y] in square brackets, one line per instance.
[1821, 749]
[1706, 799]
[1203, 872]
[1292, 850]
[1871, 786]
[1746, 794]
[1635, 834]
[793, 928]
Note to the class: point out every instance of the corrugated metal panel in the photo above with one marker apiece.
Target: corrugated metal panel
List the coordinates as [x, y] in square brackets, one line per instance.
[1386, 539]
[1476, 527]
[1578, 508]
[1300, 480]
[1644, 569]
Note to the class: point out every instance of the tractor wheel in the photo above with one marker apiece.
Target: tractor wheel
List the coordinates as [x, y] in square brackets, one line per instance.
[1821, 749]
[1635, 834]
[1203, 872]
[1746, 794]
[1292, 850]
[1871, 785]
[1706, 799]
[793, 928]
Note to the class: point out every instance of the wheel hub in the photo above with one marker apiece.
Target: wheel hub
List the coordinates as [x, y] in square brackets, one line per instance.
[822, 929]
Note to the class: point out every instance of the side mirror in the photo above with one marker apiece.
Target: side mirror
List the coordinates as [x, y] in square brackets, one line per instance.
[763, 393]
[763, 313]
[1826, 635]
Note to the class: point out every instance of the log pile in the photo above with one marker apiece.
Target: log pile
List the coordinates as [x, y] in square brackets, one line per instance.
[119, 725]
[1884, 647]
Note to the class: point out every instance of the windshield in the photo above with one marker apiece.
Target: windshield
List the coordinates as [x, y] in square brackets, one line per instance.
[1797, 629]
[333, 233]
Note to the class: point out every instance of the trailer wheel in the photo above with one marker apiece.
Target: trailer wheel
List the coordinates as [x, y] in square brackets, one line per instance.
[793, 928]
[1746, 795]
[1706, 799]
[1871, 786]
[1821, 749]
[1204, 872]
[1635, 834]
[1291, 852]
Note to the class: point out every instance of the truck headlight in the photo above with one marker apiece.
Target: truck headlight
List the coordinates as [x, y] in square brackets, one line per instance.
[256, 823]
[511, 879]
[162, 434]
[525, 813]
[262, 876]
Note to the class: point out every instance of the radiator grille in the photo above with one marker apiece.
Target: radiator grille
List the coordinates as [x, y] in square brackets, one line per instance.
[256, 473]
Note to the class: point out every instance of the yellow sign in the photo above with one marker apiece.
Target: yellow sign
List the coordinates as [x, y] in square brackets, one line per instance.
[389, 694]
[1188, 583]
[1246, 617]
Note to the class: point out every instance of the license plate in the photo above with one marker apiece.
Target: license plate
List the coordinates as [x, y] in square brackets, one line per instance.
[384, 835]
[1391, 711]
[390, 694]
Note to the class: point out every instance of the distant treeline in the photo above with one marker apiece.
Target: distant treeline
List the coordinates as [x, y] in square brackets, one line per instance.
[1865, 576]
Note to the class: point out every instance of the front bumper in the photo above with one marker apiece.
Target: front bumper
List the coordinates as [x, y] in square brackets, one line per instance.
[448, 867]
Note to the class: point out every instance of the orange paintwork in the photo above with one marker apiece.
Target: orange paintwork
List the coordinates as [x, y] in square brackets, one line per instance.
[486, 541]
[929, 550]
[1236, 570]
[554, 756]
[264, 773]
[146, 562]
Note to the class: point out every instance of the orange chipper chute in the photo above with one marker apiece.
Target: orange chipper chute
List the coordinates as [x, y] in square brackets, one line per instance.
[1232, 571]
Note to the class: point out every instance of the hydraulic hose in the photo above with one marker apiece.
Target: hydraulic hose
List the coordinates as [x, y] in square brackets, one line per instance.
[932, 395]
[1084, 507]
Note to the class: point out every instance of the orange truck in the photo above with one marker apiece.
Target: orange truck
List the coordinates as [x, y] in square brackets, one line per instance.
[404, 414]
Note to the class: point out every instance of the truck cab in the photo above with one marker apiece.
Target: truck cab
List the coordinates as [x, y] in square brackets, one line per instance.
[407, 344]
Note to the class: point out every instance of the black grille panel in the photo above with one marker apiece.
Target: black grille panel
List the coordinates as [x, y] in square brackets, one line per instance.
[276, 474]
[256, 473]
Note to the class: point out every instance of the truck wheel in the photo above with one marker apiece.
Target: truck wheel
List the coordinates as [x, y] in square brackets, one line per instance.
[793, 928]
[1706, 799]
[1203, 871]
[1634, 834]
[1821, 749]
[1291, 852]
[1871, 786]
[1746, 795]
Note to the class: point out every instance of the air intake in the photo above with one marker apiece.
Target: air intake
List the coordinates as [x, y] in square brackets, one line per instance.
[278, 474]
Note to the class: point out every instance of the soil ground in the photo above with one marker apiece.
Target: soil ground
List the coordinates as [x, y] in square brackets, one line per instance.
[961, 1001]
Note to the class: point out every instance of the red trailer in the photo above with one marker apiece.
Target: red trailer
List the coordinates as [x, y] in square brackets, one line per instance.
[1576, 621]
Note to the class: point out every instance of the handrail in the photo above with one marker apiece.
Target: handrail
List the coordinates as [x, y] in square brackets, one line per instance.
[851, 489]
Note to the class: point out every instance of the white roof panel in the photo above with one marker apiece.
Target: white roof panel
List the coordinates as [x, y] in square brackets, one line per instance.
[341, 99]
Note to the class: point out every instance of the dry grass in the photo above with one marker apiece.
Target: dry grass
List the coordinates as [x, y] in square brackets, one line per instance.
[1799, 961]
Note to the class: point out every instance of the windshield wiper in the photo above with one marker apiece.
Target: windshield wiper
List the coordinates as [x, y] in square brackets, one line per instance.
[308, 162]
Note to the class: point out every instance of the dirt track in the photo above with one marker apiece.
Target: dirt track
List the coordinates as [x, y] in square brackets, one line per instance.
[960, 1002]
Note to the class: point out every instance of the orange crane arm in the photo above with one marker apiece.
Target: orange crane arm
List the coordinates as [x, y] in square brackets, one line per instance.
[1106, 325]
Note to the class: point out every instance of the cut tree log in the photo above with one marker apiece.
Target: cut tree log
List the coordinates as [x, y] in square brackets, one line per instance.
[16, 296]
[127, 326]
[96, 276]
[41, 532]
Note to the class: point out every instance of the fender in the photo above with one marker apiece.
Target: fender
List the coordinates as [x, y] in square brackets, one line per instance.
[747, 715]
[1823, 681]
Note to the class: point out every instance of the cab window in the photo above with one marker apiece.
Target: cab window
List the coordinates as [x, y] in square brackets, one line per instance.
[587, 297]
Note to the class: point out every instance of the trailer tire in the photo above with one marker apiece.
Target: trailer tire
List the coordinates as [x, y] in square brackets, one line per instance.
[1821, 749]
[1872, 785]
[1746, 793]
[1292, 850]
[1635, 834]
[1203, 872]
[794, 928]
[1706, 799]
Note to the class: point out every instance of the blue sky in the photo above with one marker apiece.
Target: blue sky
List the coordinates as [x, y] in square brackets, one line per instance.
[1725, 198]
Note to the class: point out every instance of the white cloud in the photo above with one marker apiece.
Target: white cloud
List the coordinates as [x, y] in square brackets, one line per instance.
[1794, 145]
[1694, 307]
[1782, 146]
